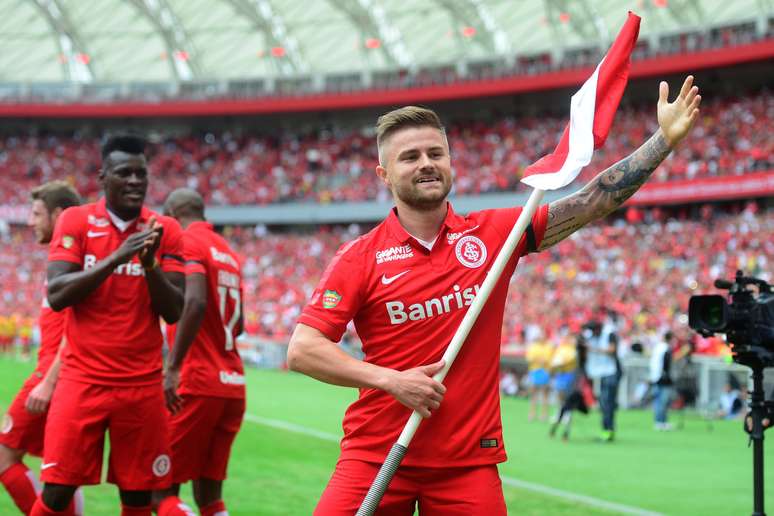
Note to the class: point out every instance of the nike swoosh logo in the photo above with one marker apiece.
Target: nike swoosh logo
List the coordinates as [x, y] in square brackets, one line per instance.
[469, 230]
[95, 234]
[48, 465]
[387, 281]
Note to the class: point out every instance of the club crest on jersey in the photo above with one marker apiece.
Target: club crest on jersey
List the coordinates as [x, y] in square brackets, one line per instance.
[470, 251]
[330, 299]
[161, 465]
[67, 241]
[98, 222]
[7, 424]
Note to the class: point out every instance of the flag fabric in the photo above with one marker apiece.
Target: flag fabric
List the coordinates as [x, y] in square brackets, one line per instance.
[592, 110]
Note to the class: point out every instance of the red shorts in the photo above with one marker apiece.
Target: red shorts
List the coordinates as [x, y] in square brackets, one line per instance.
[22, 430]
[201, 435]
[80, 415]
[437, 491]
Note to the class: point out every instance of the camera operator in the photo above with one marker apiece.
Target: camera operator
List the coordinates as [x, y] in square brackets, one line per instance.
[602, 365]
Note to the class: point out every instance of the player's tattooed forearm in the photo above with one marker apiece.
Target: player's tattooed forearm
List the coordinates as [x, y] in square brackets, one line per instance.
[558, 229]
[559, 234]
[606, 192]
[626, 177]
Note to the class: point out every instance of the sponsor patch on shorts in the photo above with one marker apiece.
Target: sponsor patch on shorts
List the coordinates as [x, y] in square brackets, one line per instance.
[489, 443]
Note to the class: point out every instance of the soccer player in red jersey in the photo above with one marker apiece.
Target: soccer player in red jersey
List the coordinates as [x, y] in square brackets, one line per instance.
[407, 285]
[204, 380]
[24, 424]
[119, 267]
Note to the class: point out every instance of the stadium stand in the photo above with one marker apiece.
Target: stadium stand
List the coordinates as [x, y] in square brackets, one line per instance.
[644, 265]
[337, 165]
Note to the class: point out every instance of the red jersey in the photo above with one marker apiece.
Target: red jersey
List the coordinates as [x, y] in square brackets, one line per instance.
[407, 302]
[212, 366]
[113, 335]
[51, 326]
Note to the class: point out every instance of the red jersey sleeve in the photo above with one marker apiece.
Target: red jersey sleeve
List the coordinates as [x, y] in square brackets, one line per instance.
[504, 220]
[171, 250]
[338, 295]
[67, 241]
[195, 254]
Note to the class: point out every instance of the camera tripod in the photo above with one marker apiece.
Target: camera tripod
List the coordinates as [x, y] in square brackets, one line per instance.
[759, 410]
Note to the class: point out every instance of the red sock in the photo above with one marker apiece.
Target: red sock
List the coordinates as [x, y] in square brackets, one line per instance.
[214, 509]
[127, 510]
[174, 506]
[22, 485]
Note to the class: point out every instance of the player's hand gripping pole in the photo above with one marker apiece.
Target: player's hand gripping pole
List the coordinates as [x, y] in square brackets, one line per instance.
[394, 458]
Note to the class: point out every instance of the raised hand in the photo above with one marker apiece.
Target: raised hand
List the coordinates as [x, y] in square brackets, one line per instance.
[677, 118]
[416, 389]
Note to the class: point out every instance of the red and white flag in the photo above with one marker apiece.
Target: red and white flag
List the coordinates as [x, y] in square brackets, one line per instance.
[592, 110]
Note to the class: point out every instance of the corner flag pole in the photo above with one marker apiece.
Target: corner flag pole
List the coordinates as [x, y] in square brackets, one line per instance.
[398, 450]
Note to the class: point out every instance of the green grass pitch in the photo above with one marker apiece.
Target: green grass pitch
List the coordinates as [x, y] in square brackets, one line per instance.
[286, 451]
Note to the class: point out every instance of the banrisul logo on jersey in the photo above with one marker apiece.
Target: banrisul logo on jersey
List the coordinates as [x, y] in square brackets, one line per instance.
[330, 299]
[470, 251]
[457, 299]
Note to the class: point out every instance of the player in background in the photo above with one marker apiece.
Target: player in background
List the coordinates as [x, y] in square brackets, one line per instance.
[204, 378]
[407, 285]
[24, 424]
[539, 355]
[119, 267]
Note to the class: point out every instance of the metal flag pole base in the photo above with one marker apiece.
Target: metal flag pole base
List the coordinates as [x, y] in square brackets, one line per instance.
[399, 449]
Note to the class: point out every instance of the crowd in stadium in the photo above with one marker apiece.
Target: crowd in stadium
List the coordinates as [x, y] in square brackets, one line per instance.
[644, 266]
[333, 165]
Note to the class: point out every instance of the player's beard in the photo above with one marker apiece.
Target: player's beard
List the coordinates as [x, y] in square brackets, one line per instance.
[43, 234]
[412, 195]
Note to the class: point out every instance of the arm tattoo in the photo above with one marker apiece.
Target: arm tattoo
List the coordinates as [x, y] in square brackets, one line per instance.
[606, 192]
[626, 177]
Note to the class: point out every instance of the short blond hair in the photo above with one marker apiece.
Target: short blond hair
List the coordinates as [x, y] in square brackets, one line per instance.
[408, 116]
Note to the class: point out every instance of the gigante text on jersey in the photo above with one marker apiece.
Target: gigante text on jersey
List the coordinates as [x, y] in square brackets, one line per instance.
[456, 300]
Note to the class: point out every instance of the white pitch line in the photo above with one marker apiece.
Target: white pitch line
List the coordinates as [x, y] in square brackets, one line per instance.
[509, 481]
[588, 500]
[292, 427]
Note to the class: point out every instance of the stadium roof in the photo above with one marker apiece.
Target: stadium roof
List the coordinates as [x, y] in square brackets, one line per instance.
[118, 41]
